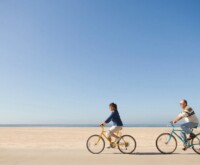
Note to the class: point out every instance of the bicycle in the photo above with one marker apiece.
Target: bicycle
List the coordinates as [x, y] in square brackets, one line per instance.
[96, 143]
[166, 143]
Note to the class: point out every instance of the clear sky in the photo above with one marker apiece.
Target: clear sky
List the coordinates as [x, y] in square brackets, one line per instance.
[64, 61]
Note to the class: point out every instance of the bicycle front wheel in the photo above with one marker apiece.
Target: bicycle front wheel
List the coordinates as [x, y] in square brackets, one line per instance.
[196, 144]
[166, 143]
[127, 144]
[95, 144]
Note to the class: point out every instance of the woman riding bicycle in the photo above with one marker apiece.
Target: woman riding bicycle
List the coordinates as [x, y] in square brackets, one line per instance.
[117, 122]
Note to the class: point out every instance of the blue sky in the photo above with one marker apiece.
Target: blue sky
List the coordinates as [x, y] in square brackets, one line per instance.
[64, 61]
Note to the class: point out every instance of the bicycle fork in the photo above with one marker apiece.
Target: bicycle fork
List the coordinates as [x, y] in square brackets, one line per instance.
[170, 136]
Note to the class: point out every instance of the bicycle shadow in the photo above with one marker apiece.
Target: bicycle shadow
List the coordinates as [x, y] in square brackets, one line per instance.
[152, 154]
[138, 153]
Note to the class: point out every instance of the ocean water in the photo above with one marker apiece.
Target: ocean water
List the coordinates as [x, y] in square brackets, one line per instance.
[80, 125]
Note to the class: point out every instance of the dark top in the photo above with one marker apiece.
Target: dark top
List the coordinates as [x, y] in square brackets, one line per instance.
[115, 118]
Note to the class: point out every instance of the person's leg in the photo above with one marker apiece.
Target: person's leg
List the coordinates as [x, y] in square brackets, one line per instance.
[192, 135]
[111, 132]
[187, 129]
[183, 134]
[117, 129]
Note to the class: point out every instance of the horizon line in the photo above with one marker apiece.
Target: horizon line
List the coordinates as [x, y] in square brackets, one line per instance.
[83, 125]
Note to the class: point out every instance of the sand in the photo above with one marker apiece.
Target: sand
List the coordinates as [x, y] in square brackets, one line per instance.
[62, 146]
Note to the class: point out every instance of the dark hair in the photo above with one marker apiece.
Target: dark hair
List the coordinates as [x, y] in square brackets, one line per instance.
[113, 105]
[185, 101]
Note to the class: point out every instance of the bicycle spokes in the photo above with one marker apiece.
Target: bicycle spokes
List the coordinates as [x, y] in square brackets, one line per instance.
[95, 144]
[127, 144]
[166, 143]
[196, 144]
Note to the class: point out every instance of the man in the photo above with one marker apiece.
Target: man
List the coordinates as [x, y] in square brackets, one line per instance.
[191, 121]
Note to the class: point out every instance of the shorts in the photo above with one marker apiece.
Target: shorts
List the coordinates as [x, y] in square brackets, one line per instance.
[112, 130]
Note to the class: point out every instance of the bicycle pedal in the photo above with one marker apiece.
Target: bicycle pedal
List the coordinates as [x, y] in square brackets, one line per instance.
[113, 145]
[185, 147]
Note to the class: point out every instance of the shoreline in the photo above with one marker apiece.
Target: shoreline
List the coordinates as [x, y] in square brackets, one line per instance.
[86, 125]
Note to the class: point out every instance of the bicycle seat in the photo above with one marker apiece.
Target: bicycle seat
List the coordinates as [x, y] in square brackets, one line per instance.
[195, 127]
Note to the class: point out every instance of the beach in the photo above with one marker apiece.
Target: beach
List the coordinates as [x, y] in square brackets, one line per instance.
[67, 145]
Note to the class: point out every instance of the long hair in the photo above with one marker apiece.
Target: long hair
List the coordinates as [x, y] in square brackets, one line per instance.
[113, 105]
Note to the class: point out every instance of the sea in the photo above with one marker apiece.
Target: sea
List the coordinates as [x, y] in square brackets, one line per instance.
[81, 125]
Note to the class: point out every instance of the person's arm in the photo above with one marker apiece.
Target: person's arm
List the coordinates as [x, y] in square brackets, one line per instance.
[108, 119]
[179, 117]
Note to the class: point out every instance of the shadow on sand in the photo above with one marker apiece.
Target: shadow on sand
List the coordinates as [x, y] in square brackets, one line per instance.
[152, 153]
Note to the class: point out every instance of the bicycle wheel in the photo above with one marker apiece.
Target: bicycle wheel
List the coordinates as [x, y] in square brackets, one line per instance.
[95, 144]
[196, 144]
[127, 144]
[164, 145]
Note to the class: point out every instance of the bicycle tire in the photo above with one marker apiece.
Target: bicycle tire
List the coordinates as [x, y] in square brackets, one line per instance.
[161, 151]
[88, 147]
[193, 147]
[134, 142]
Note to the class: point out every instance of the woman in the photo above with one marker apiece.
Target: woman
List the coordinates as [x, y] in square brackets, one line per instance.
[117, 122]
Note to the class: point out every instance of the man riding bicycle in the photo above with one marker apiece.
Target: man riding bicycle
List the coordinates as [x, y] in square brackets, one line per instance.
[191, 121]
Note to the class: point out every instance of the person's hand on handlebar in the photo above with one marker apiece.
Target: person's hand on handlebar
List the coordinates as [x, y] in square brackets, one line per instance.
[173, 122]
[102, 124]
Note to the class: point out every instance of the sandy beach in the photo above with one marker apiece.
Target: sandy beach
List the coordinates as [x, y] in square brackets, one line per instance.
[60, 145]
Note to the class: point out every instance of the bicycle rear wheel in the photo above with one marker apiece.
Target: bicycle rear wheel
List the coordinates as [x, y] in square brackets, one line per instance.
[95, 144]
[196, 144]
[127, 144]
[166, 145]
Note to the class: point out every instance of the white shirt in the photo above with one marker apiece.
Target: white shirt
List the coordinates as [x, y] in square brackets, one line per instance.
[189, 115]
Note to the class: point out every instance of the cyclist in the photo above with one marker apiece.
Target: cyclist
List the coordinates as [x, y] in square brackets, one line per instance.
[117, 122]
[191, 121]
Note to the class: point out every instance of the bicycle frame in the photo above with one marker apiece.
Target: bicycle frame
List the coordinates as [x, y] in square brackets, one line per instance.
[174, 132]
[103, 135]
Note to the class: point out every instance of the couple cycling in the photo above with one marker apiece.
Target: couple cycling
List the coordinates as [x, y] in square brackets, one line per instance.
[191, 121]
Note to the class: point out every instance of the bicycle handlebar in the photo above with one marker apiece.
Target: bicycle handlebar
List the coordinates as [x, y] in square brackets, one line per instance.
[172, 124]
[102, 127]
